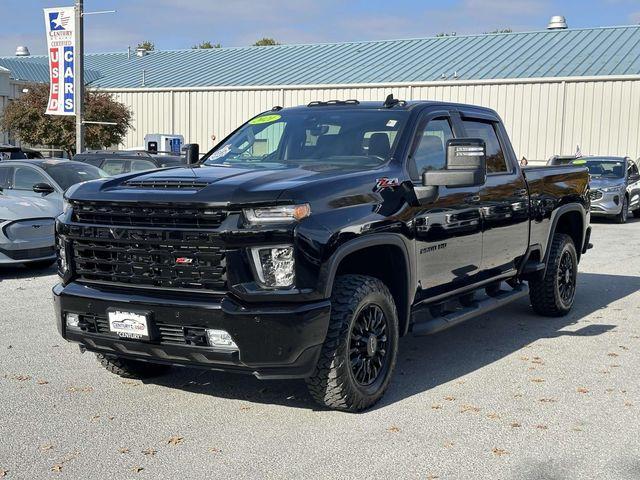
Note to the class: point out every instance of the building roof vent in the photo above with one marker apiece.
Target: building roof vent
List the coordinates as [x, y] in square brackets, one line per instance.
[141, 51]
[557, 22]
[22, 51]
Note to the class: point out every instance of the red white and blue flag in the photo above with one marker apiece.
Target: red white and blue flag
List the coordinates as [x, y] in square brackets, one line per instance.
[61, 35]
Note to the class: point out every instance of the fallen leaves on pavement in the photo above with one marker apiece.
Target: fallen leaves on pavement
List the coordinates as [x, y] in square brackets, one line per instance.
[498, 452]
[149, 452]
[56, 467]
[79, 389]
[175, 440]
[582, 390]
[394, 429]
[46, 447]
[3, 472]
[123, 450]
[136, 469]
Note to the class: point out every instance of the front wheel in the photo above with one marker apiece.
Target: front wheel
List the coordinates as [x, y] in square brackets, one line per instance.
[624, 212]
[359, 354]
[552, 294]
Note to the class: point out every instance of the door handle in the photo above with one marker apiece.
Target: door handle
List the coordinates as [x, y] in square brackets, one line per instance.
[472, 199]
[521, 193]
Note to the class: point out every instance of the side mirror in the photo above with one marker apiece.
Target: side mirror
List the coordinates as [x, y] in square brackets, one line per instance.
[192, 153]
[634, 178]
[466, 165]
[43, 188]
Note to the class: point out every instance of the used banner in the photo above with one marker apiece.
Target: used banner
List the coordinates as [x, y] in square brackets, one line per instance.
[61, 35]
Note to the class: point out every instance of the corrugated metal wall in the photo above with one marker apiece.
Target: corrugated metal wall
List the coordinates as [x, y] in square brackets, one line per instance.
[543, 118]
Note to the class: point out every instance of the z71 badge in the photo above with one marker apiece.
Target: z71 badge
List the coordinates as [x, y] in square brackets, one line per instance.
[384, 183]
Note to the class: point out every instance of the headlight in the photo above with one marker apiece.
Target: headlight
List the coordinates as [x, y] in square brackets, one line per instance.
[613, 189]
[66, 206]
[282, 214]
[275, 266]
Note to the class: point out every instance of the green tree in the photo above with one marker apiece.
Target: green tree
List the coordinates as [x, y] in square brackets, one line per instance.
[265, 42]
[206, 45]
[25, 118]
[148, 45]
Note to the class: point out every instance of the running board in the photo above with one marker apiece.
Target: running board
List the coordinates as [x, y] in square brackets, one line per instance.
[448, 320]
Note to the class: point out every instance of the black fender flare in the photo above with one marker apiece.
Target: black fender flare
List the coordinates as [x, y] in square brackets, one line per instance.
[555, 217]
[330, 268]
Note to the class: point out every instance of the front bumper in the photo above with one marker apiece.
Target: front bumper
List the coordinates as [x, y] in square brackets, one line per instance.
[25, 241]
[610, 203]
[273, 341]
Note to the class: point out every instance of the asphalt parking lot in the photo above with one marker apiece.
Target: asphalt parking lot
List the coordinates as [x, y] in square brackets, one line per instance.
[510, 395]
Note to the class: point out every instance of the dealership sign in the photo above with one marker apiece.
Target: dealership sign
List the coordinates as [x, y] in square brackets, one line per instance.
[61, 35]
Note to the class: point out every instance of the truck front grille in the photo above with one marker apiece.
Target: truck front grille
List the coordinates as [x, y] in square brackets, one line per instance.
[161, 332]
[167, 258]
[137, 215]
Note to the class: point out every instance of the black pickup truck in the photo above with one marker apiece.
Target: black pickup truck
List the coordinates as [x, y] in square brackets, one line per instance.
[311, 239]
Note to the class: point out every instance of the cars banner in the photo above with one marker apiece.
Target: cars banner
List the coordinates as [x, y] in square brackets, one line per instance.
[61, 34]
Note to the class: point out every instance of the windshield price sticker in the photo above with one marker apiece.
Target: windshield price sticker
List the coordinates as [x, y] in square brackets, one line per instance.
[220, 153]
[265, 119]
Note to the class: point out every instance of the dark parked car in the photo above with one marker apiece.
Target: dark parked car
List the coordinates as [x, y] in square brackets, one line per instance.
[116, 162]
[312, 238]
[561, 160]
[615, 186]
[11, 152]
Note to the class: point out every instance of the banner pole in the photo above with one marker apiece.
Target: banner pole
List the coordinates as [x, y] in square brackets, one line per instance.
[79, 75]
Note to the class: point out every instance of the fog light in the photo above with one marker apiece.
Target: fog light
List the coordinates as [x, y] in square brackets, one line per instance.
[220, 339]
[275, 266]
[62, 258]
[73, 320]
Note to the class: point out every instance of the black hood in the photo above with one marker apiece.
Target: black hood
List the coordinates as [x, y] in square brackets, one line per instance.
[226, 185]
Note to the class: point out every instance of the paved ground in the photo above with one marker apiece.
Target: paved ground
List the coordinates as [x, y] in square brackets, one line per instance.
[507, 396]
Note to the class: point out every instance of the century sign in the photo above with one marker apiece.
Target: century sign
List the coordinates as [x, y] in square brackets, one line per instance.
[61, 32]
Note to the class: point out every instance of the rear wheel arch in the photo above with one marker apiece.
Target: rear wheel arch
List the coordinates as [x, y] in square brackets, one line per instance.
[383, 256]
[569, 219]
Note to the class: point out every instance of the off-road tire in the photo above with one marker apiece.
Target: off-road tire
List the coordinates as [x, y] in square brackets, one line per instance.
[131, 368]
[333, 383]
[624, 211]
[545, 292]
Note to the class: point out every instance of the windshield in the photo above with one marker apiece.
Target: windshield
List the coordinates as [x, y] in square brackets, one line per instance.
[313, 138]
[604, 168]
[68, 174]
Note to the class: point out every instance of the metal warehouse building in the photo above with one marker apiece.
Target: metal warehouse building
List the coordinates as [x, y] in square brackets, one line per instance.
[555, 88]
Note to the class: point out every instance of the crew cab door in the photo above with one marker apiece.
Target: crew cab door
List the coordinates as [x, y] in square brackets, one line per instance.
[633, 188]
[448, 235]
[503, 200]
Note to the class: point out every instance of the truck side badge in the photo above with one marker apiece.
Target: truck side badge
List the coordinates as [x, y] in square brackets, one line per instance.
[384, 183]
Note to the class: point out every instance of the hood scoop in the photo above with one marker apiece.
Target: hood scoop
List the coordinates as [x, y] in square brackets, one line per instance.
[168, 184]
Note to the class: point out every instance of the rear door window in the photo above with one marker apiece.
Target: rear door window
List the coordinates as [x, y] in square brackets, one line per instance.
[142, 165]
[114, 166]
[487, 131]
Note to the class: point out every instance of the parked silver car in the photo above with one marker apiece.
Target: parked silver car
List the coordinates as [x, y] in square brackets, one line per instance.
[31, 197]
[615, 186]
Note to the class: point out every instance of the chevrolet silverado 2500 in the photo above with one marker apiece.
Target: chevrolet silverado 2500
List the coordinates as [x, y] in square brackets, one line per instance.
[307, 242]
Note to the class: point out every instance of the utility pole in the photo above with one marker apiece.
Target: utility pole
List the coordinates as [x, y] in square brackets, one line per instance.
[78, 87]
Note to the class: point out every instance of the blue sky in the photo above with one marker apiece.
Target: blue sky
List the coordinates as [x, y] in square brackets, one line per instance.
[172, 24]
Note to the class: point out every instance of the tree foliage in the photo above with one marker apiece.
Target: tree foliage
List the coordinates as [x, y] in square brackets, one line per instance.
[501, 30]
[25, 118]
[206, 45]
[148, 45]
[265, 42]
[445, 34]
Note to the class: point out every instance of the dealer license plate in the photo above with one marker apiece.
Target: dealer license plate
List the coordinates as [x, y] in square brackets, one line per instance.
[129, 324]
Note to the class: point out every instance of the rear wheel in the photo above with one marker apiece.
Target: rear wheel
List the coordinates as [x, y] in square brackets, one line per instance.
[624, 212]
[359, 354]
[552, 294]
[131, 368]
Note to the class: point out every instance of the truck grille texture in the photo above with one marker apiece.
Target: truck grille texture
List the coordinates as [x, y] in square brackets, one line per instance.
[172, 255]
[148, 215]
[161, 332]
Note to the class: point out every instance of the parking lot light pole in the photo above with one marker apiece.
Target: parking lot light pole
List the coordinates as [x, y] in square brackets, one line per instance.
[79, 75]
